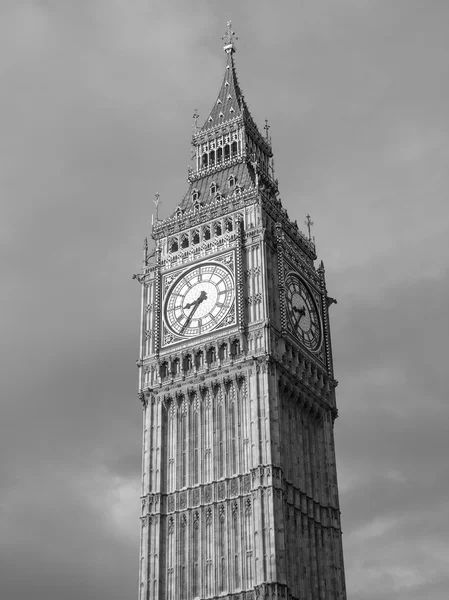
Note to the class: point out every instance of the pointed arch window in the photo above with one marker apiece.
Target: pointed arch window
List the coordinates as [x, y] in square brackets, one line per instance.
[227, 152]
[206, 233]
[211, 158]
[232, 181]
[218, 229]
[195, 196]
[174, 245]
[229, 225]
[213, 188]
[219, 154]
[196, 237]
[185, 241]
[234, 148]
[179, 212]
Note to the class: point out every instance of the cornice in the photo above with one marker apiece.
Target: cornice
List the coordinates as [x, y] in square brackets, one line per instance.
[194, 217]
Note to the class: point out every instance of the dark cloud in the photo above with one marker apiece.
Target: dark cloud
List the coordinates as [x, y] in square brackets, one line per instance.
[96, 108]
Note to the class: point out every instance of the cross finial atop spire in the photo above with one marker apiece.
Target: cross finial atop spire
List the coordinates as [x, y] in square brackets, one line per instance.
[229, 38]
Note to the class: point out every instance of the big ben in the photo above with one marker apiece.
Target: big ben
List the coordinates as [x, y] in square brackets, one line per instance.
[239, 483]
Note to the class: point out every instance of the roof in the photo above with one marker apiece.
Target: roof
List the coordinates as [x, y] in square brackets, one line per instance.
[244, 177]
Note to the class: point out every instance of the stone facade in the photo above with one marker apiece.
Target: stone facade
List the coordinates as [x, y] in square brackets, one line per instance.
[239, 484]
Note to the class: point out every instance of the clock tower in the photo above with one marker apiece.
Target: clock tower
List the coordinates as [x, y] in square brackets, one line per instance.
[239, 482]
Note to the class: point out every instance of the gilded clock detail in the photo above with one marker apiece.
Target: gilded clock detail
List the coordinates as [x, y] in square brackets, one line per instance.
[199, 300]
[302, 312]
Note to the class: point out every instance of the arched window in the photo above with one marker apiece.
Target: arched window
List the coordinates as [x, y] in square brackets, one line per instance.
[231, 181]
[229, 225]
[164, 370]
[211, 158]
[206, 233]
[204, 159]
[234, 148]
[223, 351]
[185, 242]
[187, 363]
[195, 196]
[219, 155]
[199, 359]
[227, 152]
[235, 348]
[196, 237]
[211, 356]
[174, 246]
[213, 188]
[218, 230]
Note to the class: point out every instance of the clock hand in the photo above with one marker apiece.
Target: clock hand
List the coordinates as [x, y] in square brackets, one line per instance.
[301, 311]
[195, 305]
[200, 298]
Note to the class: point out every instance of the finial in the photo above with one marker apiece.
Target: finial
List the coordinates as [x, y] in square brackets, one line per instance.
[145, 251]
[157, 201]
[255, 165]
[229, 38]
[267, 128]
[195, 117]
[309, 224]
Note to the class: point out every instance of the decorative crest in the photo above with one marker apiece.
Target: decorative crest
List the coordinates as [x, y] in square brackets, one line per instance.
[229, 38]
[309, 224]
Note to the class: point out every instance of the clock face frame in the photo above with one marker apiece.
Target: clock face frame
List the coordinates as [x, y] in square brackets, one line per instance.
[199, 299]
[302, 312]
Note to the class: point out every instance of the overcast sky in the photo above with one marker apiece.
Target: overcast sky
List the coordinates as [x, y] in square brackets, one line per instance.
[96, 107]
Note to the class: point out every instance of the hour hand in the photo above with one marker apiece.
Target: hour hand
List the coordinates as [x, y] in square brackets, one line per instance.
[200, 298]
[300, 311]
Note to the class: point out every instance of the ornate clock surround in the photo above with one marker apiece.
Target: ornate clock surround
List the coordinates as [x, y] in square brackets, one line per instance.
[227, 263]
[302, 271]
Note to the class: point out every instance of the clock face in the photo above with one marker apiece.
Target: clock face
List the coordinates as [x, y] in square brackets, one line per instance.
[199, 300]
[302, 312]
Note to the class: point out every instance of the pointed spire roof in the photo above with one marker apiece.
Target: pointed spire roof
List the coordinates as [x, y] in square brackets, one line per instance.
[230, 103]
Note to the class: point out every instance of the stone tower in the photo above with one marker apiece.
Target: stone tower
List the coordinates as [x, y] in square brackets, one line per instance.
[239, 483]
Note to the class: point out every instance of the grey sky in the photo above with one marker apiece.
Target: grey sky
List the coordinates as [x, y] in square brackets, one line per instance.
[95, 109]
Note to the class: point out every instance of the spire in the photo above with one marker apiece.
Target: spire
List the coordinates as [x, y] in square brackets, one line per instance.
[229, 152]
[230, 103]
